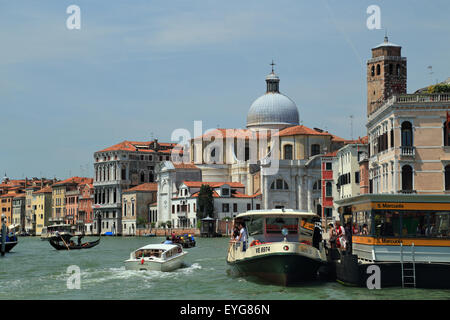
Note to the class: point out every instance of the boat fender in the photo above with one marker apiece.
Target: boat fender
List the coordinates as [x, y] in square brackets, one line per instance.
[179, 250]
[286, 248]
[142, 261]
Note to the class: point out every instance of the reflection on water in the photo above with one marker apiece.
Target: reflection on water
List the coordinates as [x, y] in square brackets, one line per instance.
[36, 271]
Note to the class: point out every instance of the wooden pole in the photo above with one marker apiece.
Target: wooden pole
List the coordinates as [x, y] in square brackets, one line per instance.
[65, 243]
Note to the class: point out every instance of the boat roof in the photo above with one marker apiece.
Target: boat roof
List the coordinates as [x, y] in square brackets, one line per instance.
[278, 213]
[159, 246]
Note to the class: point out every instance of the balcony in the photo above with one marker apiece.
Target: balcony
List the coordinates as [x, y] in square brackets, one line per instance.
[407, 151]
[407, 191]
[182, 213]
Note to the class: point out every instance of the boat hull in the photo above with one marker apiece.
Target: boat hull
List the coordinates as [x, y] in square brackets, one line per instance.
[149, 265]
[9, 245]
[282, 269]
[428, 275]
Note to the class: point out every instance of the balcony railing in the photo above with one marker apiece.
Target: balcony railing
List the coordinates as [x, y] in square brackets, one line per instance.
[407, 191]
[407, 151]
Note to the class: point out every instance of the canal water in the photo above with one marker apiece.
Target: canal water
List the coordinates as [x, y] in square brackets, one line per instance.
[34, 270]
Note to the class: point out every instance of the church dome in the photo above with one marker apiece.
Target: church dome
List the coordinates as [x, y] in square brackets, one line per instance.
[272, 110]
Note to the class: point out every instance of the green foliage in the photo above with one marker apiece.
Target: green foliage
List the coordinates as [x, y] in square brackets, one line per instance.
[226, 219]
[162, 225]
[439, 88]
[205, 202]
[153, 224]
[169, 224]
[199, 224]
[140, 221]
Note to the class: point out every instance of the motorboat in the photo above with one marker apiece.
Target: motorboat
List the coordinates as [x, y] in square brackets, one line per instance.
[159, 257]
[284, 247]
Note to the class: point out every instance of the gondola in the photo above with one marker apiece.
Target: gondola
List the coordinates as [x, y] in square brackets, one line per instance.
[61, 246]
[9, 245]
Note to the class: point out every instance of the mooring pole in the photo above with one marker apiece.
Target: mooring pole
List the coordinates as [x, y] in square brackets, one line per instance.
[3, 247]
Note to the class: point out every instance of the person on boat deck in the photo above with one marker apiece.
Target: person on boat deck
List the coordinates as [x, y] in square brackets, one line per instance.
[355, 229]
[79, 240]
[235, 234]
[173, 237]
[365, 230]
[340, 233]
[242, 235]
[168, 241]
[72, 244]
[332, 236]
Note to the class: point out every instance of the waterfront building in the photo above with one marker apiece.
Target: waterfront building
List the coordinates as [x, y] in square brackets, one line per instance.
[30, 222]
[170, 176]
[120, 167]
[135, 206]
[42, 205]
[85, 212]
[408, 133]
[18, 217]
[298, 153]
[65, 199]
[6, 201]
[326, 187]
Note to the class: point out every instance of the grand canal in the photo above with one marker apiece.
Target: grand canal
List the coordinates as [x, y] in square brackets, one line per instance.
[36, 271]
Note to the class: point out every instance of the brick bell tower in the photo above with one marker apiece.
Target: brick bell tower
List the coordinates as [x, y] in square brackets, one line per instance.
[386, 74]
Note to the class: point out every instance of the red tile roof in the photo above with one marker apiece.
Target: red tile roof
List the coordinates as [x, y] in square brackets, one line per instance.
[44, 190]
[73, 180]
[134, 146]
[297, 130]
[150, 186]
[185, 166]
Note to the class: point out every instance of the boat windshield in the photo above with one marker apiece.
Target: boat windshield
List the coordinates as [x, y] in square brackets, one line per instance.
[275, 225]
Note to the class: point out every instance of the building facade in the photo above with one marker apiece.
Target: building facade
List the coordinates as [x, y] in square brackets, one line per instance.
[42, 203]
[135, 206]
[408, 133]
[121, 167]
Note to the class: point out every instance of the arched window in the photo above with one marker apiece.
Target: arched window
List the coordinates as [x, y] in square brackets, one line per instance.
[407, 140]
[407, 178]
[378, 70]
[213, 152]
[328, 189]
[279, 184]
[372, 72]
[315, 149]
[142, 177]
[447, 177]
[288, 151]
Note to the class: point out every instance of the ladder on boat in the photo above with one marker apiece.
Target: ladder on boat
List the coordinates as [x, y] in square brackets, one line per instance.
[408, 268]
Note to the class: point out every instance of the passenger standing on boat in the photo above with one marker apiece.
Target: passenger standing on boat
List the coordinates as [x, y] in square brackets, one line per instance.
[168, 241]
[340, 233]
[242, 236]
[332, 236]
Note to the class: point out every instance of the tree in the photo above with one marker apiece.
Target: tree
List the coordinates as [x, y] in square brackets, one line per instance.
[205, 202]
[140, 221]
[169, 224]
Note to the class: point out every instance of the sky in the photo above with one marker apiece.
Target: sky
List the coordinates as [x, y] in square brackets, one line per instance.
[138, 70]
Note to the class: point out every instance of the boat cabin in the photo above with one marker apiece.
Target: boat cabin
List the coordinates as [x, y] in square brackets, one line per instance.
[276, 225]
[381, 224]
[157, 251]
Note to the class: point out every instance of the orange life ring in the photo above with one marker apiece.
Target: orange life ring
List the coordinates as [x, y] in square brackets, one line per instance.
[255, 243]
